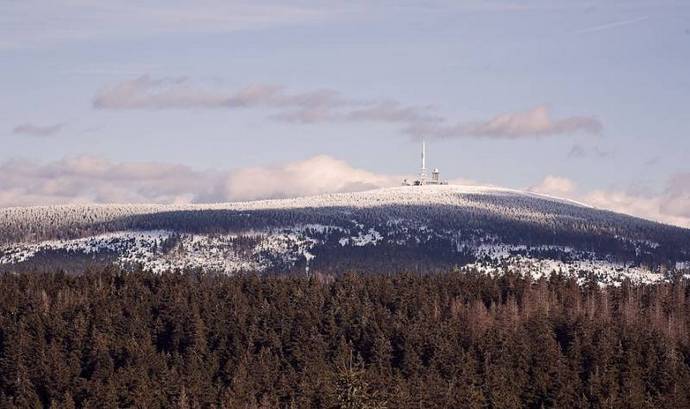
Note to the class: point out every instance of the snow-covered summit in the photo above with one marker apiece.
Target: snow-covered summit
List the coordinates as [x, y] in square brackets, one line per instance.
[407, 228]
[452, 195]
[428, 194]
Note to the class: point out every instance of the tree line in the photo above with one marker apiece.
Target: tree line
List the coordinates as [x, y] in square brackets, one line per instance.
[108, 339]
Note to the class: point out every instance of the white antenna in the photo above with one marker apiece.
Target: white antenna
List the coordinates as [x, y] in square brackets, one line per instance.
[422, 172]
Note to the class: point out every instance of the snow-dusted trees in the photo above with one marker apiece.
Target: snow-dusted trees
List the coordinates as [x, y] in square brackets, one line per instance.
[435, 217]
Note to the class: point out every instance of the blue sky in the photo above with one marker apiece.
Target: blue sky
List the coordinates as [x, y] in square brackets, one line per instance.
[583, 99]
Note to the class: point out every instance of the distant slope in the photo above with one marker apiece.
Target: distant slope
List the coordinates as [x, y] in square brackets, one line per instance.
[404, 228]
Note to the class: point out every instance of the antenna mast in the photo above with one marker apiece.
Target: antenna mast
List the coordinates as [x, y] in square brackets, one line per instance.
[422, 171]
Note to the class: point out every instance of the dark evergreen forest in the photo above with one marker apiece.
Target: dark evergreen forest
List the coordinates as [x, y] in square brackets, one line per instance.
[107, 339]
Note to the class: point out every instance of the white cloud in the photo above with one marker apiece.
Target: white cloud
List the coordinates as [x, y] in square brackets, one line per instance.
[181, 93]
[325, 105]
[554, 185]
[671, 206]
[29, 129]
[90, 179]
[315, 175]
[536, 122]
[360, 111]
[97, 180]
[393, 111]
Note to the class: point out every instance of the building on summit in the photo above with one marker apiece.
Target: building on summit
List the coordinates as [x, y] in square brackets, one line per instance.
[435, 174]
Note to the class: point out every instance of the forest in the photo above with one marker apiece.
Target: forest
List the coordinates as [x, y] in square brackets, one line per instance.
[504, 217]
[108, 338]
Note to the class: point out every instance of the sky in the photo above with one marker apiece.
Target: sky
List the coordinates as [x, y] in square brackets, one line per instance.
[207, 101]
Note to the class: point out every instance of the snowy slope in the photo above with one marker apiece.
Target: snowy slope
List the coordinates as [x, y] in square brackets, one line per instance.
[33, 218]
[405, 228]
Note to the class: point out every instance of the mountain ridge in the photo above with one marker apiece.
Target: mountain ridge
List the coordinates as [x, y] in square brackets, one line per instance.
[419, 228]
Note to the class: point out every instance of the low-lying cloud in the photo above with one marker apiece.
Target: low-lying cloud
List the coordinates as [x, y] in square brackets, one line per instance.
[670, 206]
[326, 105]
[555, 185]
[92, 179]
[319, 174]
[29, 129]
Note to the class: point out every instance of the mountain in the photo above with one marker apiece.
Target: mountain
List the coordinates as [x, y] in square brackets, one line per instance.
[412, 228]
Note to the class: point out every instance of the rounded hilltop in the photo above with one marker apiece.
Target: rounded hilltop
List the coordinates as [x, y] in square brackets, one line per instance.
[404, 228]
[504, 202]
[456, 205]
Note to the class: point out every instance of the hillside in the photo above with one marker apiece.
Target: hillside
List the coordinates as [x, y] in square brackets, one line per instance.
[417, 229]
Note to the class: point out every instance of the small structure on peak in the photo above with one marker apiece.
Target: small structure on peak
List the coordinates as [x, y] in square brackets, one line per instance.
[435, 174]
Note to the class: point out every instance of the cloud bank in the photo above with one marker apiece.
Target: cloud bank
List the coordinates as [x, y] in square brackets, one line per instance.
[319, 174]
[555, 185]
[672, 206]
[326, 105]
[91, 179]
